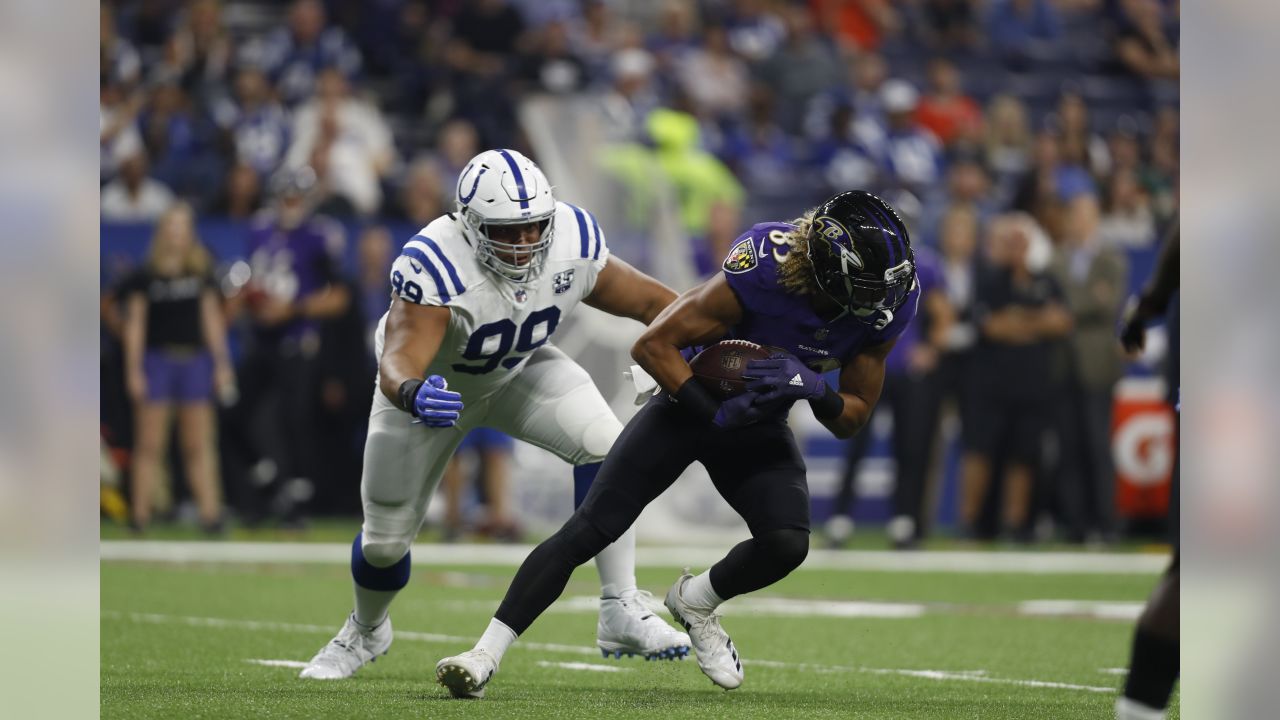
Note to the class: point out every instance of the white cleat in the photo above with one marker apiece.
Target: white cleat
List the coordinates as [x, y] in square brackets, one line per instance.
[466, 675]
[348, 651]
[628, 627]
[717, 656]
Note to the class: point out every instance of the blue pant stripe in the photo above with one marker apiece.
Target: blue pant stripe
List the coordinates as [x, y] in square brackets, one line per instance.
[368, 576]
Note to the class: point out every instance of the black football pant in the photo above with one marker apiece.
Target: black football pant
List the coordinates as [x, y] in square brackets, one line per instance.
[916, 403]
[757, 469]
[274, 419]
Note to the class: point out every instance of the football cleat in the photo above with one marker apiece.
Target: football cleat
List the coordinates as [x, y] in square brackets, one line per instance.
[348, 651]
[466, 675]
[628, 627]
[717, 656]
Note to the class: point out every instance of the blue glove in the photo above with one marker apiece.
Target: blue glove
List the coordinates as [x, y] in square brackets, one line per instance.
[783, 377]
[434, 405]
[745, 409]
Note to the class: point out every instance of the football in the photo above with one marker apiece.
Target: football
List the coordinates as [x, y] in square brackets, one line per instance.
[719, 367]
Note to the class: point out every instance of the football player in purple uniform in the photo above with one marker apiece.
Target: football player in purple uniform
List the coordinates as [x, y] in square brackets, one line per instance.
[832, 290]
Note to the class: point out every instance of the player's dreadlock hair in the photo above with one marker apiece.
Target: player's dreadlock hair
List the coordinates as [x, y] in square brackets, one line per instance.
[796, 271]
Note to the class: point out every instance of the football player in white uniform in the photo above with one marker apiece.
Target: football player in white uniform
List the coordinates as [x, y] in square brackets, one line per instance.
[476, 296]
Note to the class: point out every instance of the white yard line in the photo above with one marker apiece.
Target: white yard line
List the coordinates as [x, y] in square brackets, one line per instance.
[978, 676]
[278, 663]
[438, 555]
[1082, 608]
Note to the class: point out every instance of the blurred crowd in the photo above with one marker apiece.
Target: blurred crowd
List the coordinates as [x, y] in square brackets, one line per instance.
[1031, 145]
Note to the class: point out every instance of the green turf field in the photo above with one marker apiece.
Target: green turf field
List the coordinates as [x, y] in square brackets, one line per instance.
[189, 641]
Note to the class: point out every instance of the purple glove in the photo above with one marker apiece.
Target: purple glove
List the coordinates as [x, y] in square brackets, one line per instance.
[746, 409]
[434, 405]
[783, 377]
[738, 411]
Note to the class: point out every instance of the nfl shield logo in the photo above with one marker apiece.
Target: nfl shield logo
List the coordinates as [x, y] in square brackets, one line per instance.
[521, 295]
[562, 281]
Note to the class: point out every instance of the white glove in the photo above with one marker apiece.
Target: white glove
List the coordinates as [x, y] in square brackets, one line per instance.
[644, 383]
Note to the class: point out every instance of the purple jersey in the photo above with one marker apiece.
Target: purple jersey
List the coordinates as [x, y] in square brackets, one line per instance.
[290, 264]
[773, 316]
[928, 277]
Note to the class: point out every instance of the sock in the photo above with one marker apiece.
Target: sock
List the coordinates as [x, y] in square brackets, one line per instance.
[1153, 669]
[699, 593]
[616, 563]
[375, 587]
[1127, 709]
[617, 567]
[496, 639]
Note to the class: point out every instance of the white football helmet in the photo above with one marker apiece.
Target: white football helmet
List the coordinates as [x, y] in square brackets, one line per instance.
[503, 187]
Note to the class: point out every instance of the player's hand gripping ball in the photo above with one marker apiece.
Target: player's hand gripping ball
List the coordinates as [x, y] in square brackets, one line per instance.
[720, 367]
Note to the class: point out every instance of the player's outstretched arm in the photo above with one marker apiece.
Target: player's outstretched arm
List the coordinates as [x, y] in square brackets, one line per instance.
[700, 315]
[624, 291]
[412, 338]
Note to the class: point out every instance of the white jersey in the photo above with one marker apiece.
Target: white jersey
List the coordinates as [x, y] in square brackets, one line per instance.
[495, 324]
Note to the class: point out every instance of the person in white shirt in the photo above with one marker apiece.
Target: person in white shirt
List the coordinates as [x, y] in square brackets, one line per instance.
[347, 142]
[134, 197]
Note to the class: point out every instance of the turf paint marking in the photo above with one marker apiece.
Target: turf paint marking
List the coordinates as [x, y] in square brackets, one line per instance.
[435, 555]
[278, 663]
[979, 676]
[1082, 608]
[580, 666]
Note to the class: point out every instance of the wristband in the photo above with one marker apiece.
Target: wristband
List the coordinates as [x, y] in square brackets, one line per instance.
[697, 400]
[829, 405]
[408, 391]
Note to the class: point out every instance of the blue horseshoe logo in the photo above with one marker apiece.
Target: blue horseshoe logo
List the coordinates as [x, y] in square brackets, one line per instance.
[464, 199]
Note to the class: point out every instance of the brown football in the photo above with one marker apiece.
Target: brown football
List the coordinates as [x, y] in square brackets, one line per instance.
[719, 367]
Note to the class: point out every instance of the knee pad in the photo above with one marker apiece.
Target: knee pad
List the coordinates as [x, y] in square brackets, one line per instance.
[787, 547]
[582, 415]
[384, 553]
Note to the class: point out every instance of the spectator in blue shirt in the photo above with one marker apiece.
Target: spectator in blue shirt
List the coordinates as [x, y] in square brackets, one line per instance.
[911, 157]
[1018, 28]
[842, 160]
[257, 126]
[178, 140]
[293, 56]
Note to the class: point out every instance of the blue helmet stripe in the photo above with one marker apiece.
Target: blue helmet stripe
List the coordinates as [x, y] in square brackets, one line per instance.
[582, 230]
[898, 234]
[890, 233]
[448, 266]
[596, 226]
[884, 232]
[515, 170]
[421, 257]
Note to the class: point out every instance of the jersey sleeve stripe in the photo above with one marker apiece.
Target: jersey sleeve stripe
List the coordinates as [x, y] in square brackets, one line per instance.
[596, 226]
[582, 230]
[519, 177]
[458, 288]
[420, 256]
